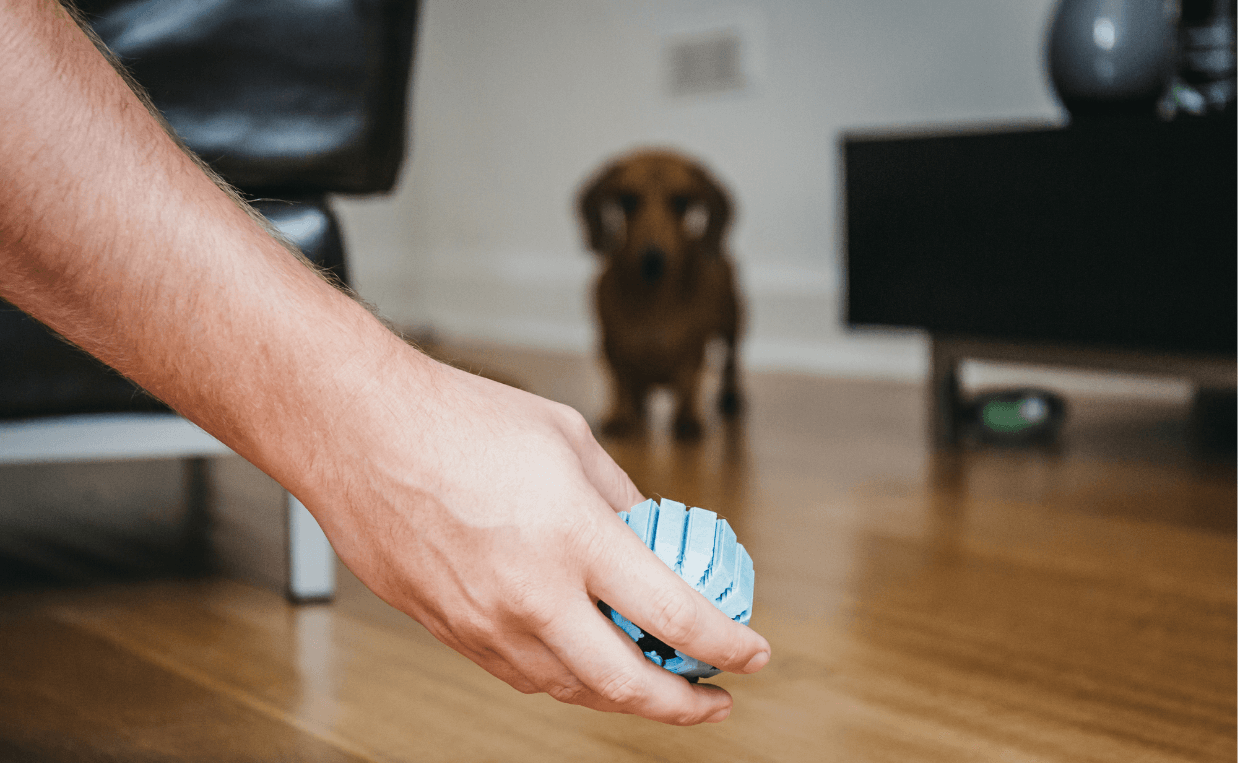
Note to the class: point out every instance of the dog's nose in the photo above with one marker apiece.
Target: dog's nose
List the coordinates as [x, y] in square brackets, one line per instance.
[652, 263]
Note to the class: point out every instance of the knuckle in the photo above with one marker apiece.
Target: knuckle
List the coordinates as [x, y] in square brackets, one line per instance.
[674, 618]
[733, 655]
[524, 687]
[469, 629]
[569, 692]
[526, 605]
[584, 540]
[575, 425]
[623, 688]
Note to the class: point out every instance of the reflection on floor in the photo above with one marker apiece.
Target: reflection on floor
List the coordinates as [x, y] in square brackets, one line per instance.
[991, 604]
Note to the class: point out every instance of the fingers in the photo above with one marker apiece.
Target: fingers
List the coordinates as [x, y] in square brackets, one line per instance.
[552, 676]
[637, 584]
[634, 582]
[615, 676]
[600, 669]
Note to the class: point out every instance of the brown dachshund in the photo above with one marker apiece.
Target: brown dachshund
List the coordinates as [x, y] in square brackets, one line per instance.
[667, 287]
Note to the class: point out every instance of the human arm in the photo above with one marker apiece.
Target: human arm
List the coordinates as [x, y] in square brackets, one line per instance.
[485, 513]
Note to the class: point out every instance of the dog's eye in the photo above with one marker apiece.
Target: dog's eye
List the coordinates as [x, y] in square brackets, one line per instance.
[630, 202]
[696, 220]
[680, 204]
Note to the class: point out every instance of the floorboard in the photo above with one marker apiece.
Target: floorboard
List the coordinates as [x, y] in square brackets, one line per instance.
[1074, 603]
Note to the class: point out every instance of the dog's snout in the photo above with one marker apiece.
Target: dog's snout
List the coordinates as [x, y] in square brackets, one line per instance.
[652, 264]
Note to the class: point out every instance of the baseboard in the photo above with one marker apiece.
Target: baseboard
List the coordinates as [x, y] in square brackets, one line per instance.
[542, 301]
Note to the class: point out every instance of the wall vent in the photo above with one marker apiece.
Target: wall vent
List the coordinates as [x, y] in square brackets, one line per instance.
[708, 62]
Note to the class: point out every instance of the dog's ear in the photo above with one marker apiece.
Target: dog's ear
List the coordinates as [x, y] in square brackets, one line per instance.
[594, 197]
[718, 202]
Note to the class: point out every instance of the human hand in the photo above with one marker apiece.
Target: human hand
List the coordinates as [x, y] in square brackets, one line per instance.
[484, 512]
[488, 515]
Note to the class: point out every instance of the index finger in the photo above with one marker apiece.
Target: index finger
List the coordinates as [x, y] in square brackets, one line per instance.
[641, 586]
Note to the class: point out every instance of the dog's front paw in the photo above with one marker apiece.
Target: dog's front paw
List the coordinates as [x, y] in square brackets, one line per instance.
[618, 426]
[731, 403]
[687, 428]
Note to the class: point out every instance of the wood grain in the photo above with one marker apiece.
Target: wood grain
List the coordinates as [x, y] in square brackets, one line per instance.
[992, 604]
[70, 695]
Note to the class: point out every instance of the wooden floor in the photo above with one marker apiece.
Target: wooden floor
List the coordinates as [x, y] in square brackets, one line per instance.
[989, 605]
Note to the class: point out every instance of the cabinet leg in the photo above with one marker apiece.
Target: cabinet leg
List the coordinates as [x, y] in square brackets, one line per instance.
[944, 397]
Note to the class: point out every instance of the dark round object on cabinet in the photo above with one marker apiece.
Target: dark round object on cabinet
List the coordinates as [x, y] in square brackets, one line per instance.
[1112, 57]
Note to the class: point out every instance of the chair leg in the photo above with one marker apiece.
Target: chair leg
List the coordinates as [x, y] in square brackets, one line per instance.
[311, 561]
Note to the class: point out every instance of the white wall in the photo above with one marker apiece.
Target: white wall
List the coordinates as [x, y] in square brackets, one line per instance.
[516, 102]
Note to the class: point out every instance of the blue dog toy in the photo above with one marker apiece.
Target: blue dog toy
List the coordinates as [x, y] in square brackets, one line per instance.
[702, 549]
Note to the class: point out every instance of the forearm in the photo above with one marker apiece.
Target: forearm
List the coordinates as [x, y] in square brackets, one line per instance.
[114, 237]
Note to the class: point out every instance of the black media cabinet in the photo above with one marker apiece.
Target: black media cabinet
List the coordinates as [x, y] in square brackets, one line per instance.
[1108, 245]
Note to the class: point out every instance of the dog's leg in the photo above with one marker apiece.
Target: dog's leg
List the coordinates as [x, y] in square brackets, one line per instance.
[730, 398]
[628, 407]
[687, 382]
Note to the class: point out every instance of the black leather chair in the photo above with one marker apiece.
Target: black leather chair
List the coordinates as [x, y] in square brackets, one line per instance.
[289, 100]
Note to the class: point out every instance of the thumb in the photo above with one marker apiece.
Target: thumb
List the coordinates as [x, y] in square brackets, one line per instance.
[640, 585]
[607, 478]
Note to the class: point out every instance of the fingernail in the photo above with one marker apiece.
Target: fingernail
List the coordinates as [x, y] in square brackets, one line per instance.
[757, 662]
[719, 716]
